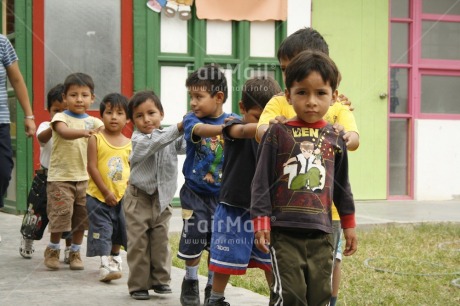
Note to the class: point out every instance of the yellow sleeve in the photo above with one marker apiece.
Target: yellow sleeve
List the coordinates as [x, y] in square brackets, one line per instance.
[277, 106]
[342, 115]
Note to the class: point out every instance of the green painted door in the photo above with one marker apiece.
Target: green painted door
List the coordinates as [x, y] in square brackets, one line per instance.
[357, 34]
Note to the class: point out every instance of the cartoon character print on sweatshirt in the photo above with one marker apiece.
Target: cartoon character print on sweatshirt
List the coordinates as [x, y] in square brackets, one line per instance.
[308, 168]
[208, 160]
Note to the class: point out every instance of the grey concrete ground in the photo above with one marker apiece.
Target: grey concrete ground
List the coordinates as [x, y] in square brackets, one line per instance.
[29, 282]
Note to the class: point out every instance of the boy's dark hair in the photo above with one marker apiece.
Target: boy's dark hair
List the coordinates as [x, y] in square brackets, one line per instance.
[79, 79]
[258, 91]
[54, 94]
[141, 97]
[308, 61]
[115, 100]
[301, 40]
[210, 77]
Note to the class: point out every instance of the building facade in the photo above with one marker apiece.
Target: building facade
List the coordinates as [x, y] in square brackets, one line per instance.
[399, 60]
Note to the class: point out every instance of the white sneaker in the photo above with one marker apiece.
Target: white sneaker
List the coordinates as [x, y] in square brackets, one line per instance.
[26, 249]
[108, 273]
[115, 263]
[67, 255]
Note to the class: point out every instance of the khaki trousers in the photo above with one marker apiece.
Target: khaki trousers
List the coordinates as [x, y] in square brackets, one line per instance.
[149, 253]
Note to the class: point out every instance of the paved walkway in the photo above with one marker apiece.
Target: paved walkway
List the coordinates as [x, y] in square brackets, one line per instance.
[29, 282]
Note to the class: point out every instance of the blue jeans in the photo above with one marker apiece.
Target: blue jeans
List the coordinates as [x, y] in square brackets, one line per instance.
[6, 159]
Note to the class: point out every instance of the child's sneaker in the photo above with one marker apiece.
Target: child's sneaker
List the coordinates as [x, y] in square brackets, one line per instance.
[115, 263]
[52, 258]
[26, 249]
[108, 273]
[207, 292]
[190, 294]
[67, 255]
[75, 261]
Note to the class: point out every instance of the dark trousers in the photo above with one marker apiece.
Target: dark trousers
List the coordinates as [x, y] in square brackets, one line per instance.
[6, 160]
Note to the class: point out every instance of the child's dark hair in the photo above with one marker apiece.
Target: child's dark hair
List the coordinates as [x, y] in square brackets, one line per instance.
[79, 79]
[301, 40]
[115, 100]
[258, 91]
[210, 77]
[54, 94]
[308, 61]
[141, 97]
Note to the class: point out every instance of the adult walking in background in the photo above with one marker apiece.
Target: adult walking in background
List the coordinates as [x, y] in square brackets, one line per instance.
[9, 68]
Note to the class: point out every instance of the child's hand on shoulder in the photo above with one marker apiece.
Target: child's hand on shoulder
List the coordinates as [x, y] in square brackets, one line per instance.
[338, 128]
[180, 126]
[344, 101]
[278, 119]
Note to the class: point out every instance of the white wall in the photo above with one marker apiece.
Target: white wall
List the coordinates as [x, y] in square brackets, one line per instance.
[437, 159]
[299, 15]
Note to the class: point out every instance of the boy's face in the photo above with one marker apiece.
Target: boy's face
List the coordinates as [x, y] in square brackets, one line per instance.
[57, 107]
[311, 97]
[147, 117]
[203, 105]
[114, 119]
[251, 115]
[78, 99]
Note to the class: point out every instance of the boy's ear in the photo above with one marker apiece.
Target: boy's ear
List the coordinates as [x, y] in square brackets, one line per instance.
[335, 94]
[220, 96]
[242, 108]
[287, 94]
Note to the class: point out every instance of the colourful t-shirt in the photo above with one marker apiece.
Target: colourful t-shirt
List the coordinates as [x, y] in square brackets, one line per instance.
[301, 168]
[204, 156]
[337, 113]
[113, 165]
[69, 157]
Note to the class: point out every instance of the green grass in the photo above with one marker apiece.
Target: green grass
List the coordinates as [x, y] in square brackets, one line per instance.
[394, 265]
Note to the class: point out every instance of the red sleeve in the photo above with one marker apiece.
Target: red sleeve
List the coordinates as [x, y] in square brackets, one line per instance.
[261, 223]
[348, 221]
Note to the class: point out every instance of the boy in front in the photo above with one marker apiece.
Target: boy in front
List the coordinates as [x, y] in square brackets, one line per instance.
[300, 242]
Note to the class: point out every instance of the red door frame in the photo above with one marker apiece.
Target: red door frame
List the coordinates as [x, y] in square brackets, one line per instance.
[38, 73]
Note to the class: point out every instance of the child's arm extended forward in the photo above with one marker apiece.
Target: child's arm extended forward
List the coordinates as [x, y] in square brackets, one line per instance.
[207, 130]
[146, 145]
[93, 171]
[247, 130]
[71, 134]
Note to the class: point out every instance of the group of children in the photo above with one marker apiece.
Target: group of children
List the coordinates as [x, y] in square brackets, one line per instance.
[264, 205]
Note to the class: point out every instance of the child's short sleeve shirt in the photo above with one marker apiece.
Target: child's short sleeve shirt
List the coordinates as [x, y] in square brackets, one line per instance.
[69, 157]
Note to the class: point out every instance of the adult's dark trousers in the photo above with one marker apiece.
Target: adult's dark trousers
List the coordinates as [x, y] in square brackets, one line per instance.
[6, 159]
